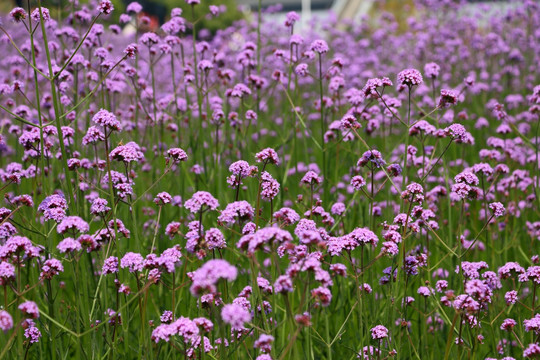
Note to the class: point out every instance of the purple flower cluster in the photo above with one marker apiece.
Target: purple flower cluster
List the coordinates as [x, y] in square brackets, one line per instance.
[410, 77]
[236, 211]
[201, 201]
[235, 315]
[205, 278]
[53, 207]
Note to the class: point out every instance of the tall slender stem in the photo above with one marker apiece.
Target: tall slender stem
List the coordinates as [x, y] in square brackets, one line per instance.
[323, 126]
[407, 139]
[56, 107]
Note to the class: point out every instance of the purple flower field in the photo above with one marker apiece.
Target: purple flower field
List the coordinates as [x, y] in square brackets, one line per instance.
[350, 190]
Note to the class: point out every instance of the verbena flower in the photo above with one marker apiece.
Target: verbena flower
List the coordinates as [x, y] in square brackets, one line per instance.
[51, 268]
[236, 211]
[69, 245]
[379, 332]
[235, 315]
[319, 46]
[132, 261]
[72, 223]
[432, 70]
[30, 309]
[267, 155]
[134, 7]
[206, 277]
[410, 77]
[18, 14]
[7, 272]
[110, 265]
[106, 7]
[291, 18]
[6, 321]
[99, 207]
[32, 334]
[201, 201]
[448, 98]
[107, 120]
[38, 13]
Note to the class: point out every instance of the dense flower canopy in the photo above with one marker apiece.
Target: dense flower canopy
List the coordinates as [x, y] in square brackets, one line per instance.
[292, 188]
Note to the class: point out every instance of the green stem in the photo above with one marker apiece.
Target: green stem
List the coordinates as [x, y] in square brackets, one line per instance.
[56, 106]
[323, 127]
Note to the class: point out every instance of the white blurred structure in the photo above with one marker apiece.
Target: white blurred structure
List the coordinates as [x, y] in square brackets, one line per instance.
[306, 12]
[307, 9]
[349, 9]
[352, 9]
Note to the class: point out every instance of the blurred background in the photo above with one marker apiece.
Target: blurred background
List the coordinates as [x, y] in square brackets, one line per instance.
[159, 10]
